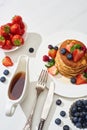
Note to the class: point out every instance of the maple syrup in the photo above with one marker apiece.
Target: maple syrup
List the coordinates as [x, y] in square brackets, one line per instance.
[16, 86]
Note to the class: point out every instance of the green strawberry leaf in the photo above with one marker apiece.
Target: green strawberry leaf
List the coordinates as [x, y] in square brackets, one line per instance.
[2, 38]
[50, 63]
[76, 46]
[17, 42]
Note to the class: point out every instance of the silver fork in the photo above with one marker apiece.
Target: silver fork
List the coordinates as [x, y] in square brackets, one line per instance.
[41, 83]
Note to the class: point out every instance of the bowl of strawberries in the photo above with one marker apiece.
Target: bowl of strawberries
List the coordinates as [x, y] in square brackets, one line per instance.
[12, 34]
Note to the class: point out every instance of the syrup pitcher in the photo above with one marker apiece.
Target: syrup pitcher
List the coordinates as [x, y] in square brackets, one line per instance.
[17, 89]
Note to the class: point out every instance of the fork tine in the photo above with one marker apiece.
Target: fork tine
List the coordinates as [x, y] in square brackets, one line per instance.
[40, 76]
[43, 76]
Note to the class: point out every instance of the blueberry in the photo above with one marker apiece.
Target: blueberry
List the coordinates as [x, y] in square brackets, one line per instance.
[58, 121]
[66, 127]
[56, 47]
[86, 107]
[74, 109]
[79, 103]
[58, 102]
[79, 114]
[85, 102]
[84, 125]
[86, 117]
[63, 51]
[69, 56]
[75, 119]
[79, 109]
[6, 72]
[62, 113]
[31, 50]
[50, 46]
[73, 80]
[78, 125]
[2, 79]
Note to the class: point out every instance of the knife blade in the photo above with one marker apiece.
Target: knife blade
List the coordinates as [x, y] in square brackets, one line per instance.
[47, 106]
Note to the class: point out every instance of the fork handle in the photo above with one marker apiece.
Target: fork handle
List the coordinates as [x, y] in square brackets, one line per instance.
[41, 124]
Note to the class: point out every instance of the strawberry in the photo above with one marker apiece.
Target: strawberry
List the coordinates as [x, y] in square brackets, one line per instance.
[53, 70]
[17, 40]
[8, 45]
[52, 53]
[7, 61]
[22, 25]
[15, 29]
[2, 40]
[22, 31]
[81, 79]
[5, 30]
[17, 19]
[69, 45]
[77, 55]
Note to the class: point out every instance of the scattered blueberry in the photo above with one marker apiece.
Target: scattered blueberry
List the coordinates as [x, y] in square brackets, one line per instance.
[73, 80]
[62, 113]
[78, 113]
[69, 56]
[58, 102]
[6, 72]
[50, 46]
[2, 79]
[63, 51]
[58, 121]
[31, 50]
[66, 127]
[56, 47]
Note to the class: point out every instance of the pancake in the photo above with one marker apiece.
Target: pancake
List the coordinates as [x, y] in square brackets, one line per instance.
[69, 68]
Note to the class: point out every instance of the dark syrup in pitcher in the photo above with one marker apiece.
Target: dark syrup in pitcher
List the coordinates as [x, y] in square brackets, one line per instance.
[16, 86]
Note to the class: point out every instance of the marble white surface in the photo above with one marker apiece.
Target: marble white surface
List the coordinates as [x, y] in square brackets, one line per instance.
[44, 19]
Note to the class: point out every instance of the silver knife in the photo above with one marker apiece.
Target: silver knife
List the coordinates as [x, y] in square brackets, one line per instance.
[47, 106]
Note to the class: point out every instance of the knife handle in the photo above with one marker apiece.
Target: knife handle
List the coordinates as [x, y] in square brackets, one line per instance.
[41, 124]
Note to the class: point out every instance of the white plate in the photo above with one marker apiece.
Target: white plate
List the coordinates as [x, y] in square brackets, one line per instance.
[63, 86]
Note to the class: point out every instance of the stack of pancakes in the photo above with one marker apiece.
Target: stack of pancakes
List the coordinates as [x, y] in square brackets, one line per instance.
[69, 68]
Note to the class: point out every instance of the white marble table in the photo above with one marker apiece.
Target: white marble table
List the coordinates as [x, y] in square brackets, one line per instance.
[44, 19]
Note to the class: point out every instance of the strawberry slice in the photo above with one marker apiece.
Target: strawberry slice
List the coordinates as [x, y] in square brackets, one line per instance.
[53, 70]
[77, 55]
[69, 45]
[7, 61]
[52, 53]
[81, 79]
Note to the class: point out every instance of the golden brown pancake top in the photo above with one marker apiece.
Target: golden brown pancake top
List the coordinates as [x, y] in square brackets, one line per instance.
[71, 63]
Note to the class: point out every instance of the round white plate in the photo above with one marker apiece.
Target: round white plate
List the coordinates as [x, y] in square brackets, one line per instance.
[63, 86]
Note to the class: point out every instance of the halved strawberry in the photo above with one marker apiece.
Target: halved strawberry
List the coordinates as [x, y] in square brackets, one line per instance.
[6, 61]
[53, 70]
[77, 55]
[81, 79]
[69, 45]
[52, 53]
